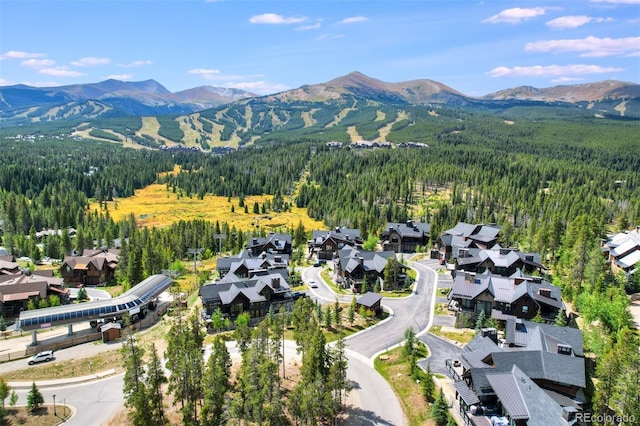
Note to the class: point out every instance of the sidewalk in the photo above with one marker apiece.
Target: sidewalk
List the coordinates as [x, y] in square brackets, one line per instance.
[64, 382]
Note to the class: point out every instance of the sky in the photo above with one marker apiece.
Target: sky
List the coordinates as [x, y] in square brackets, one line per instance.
[262, 46]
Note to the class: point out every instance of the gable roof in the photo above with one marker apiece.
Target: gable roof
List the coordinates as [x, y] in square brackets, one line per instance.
[351, 258]
[369, 299]
[523, 399]
[408, 229]
[319, 237]
[227, 291]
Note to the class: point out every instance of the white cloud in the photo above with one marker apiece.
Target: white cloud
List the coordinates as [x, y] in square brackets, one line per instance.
[617, 1]
[574, 21]
[119, 77]
[4, 82]
[60, 72]
[589, 46]
[516, 15]
[566, 79]
[550, 70]
[260, 87]
[37, 63]
[329, 36]
[273, 18]
[12, 54]
[353, 20]
[90, 61]
[136, 64]
[205, 72]
[309, 27]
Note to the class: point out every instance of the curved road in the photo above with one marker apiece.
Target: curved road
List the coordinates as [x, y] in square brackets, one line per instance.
[372, 401]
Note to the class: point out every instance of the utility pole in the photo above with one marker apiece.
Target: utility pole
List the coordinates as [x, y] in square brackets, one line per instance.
[195, 252]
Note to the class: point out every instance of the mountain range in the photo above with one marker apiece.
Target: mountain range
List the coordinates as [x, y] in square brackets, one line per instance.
[147, 114]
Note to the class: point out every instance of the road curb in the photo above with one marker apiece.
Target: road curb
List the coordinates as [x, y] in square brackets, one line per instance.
[63, 382]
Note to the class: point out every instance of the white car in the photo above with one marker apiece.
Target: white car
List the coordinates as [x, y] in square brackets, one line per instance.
[44, 356]
[313, 284]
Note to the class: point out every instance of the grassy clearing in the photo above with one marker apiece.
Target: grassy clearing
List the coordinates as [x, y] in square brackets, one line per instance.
[395, 370]
[42, 417]
[157, 206]
[461, 335]
[60, 370]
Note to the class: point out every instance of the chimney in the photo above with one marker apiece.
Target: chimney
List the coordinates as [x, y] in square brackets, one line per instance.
[491, 333]
[337, 229]
[528, 258]
[255, 241]
[361, 260]
[410, 223]
[275, 282]
[277, 259]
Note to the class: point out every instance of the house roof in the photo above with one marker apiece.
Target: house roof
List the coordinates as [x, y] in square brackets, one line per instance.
[532, 335]
[319, 237]
[351, 258]
[504, 289]
[251, 289]
[523, 399]
[277, 240]
[408, 229]
[262, 261]
[369, 299]
[630, 260]
[465, 393]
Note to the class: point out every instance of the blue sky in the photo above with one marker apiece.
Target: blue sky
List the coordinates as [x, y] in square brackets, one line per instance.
[476, 47]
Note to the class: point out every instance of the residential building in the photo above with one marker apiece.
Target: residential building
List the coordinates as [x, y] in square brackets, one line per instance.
[352, 267]
[8, 265]
[534, 376]
[498, 261]
[275, 243]
[503, 298]
[245, 265]
[405, 237]
[371, 302]
[17, 290]
[326, 243]
[93, 267]
[233, 295]
[623, 251]
[465, 236]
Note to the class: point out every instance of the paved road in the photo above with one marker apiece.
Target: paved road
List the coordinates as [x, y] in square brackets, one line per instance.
[440, 351]
[93, 402]
[375, 401]
[413, 311]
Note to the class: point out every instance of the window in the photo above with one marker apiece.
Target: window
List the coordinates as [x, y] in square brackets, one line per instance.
[525, 309]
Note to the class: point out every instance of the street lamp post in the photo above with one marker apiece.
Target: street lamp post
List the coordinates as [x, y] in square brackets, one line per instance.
[54, 405]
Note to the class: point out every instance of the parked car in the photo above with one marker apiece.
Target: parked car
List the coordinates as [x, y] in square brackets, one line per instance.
[313, 284]
[44, 356]
[297, 295]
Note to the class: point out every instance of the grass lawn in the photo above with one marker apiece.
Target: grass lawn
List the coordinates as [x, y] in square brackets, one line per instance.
[395, 369]
[462, 335]
[59, 370]
[42, 417]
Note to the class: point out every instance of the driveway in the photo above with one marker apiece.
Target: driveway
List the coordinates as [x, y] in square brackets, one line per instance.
[440, 350]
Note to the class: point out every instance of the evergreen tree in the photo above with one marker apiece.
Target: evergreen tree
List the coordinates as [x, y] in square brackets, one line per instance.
[337, 312]
[34, 398]
[561, 318]
[133, 387]
[428, 385]
[154, 380]
[3, 325]
[243, 331]
[328, 317]
[5, 389]
[82, 294]
[351, 316]
[440, 410]
[410, 338]
[216, 385]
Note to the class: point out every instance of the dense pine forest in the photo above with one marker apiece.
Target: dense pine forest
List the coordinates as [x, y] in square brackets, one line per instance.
[557, 184]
